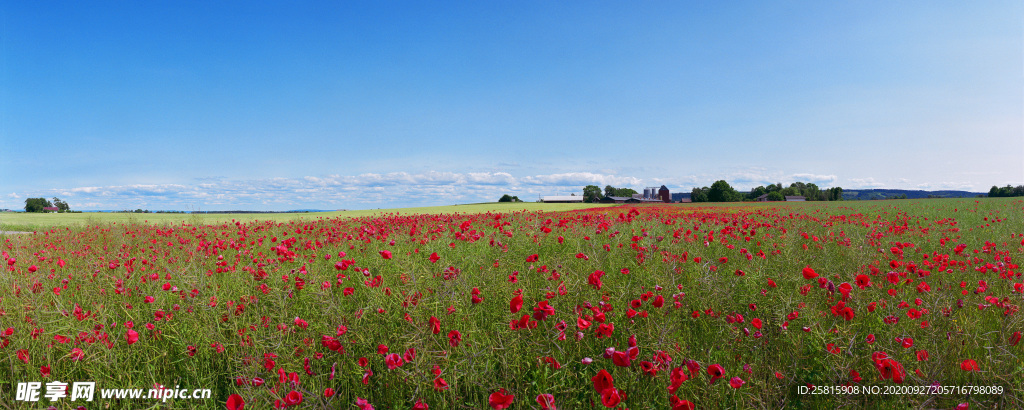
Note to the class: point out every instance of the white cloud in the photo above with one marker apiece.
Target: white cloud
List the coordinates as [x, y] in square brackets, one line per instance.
[822, 180]
[581, 178]
[334, 191]
[13, 195]
[864, 183]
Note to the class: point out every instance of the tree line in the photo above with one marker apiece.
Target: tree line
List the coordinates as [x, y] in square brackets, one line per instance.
[721, 191]
[1006, 191]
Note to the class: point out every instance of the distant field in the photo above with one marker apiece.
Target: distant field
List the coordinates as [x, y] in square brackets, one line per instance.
[20, 221]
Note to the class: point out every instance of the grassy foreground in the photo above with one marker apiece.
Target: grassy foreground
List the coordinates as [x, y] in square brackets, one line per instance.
[890, 304]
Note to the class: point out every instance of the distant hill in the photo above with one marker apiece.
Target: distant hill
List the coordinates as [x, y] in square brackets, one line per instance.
[869, 194]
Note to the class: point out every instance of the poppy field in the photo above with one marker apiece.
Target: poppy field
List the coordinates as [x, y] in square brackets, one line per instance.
[882, 304]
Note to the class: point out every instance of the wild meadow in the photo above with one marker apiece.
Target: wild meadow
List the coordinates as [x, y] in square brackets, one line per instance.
[913, 303]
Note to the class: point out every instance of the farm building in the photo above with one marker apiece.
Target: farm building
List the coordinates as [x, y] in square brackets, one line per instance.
[762, 198]
[617, 200]
[561, 199]
[50, 209]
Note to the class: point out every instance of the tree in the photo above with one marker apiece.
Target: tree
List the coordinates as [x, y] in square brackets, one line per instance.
[699, 194]
[505, 198]
[757, 192]
[609, 190]
[591, 193]
[61, 205]
[721, 191]
[812, 192]
[626, 192]
[36, 204]
[776, 196]
[835, 194]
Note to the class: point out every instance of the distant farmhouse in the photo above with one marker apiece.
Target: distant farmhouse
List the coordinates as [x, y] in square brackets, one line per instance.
[50, 209]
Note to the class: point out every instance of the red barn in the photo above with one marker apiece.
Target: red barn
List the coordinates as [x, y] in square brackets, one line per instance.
[664, 195]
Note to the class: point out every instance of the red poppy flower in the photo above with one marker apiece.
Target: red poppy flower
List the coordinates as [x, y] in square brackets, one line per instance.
[610, 397]
[435, 325]
[131, 336]
[515, 304]
[1014, 338]
[969, 365]
[621, 359]
[678, 404]
[410, 354]
[393, 361]
[922, 355]
[543, 310]
[328, 392]
[809, 273]
[756, 323]
[293, 398]
[605, 330]
[235, 402]
[440, 384]
[363, 404]
[546, 401]
[891, 369]
[677, 376]
[385, 254]
[602, 381]
[434, 258]
[454, 338]
[650, 368]
[854, 376]
[716, 372]
[736, 382]
[500, 400]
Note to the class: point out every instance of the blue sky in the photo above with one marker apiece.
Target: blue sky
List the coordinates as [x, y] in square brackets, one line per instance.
[354, 105]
